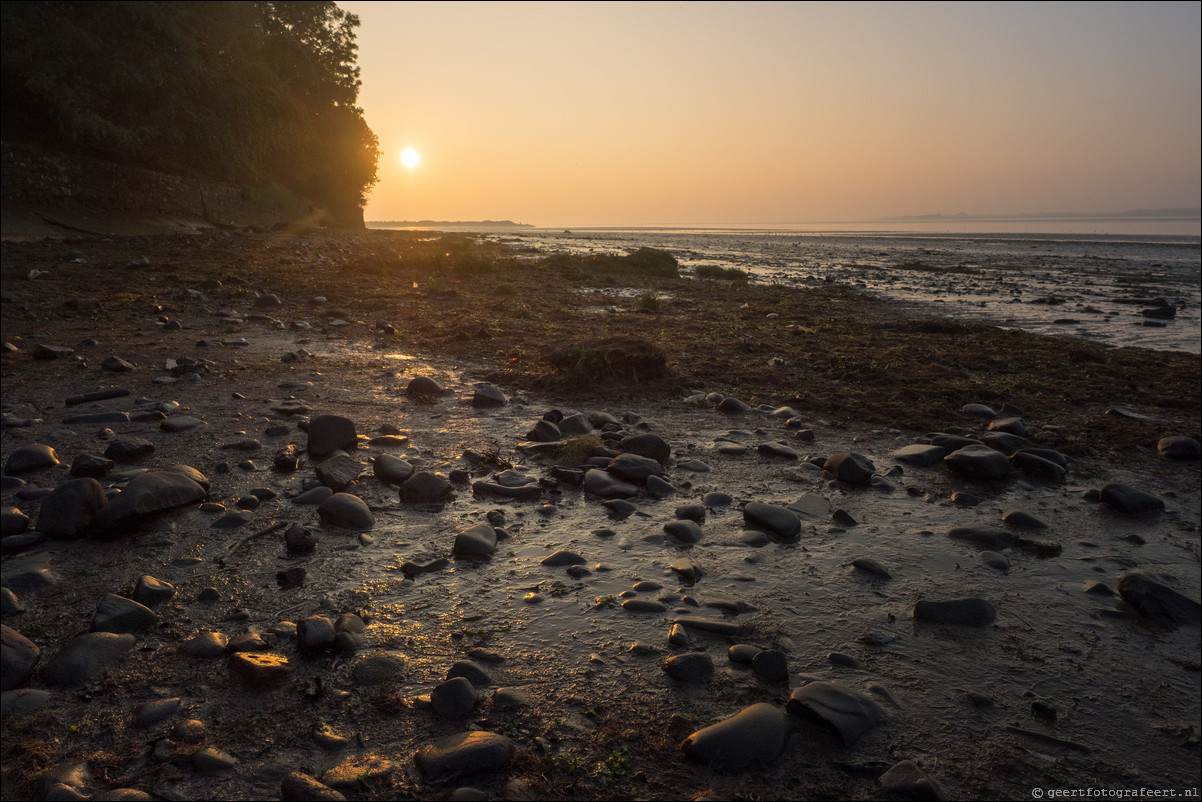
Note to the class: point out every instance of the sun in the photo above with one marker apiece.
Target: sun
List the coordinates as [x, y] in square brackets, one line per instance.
[410, 157]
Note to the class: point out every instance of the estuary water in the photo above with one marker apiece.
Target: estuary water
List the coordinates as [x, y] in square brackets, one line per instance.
[1094, 286]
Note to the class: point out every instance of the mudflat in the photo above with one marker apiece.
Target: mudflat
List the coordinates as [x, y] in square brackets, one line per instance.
[576, 531]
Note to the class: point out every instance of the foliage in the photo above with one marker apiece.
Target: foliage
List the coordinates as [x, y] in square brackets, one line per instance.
[644, 261]
[727, 273]
[251, 93]
[649, 300]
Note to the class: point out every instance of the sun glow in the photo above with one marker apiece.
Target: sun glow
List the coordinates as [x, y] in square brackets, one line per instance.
[410, 157]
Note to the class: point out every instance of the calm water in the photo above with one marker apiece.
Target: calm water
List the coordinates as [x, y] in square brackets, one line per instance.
[1080, 284]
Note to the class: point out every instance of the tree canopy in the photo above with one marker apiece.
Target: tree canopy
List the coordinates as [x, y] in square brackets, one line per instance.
[259, 94]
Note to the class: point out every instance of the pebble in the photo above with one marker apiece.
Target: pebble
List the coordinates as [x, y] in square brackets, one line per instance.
[871, 566]
[978, 462]
[454, 698]
[690, 667]
[855, 469]
[18, 656]
[120, 615]
[346, 511]
[330, 433]
[30, 458]
[476, 541]
[775, 520]
[1179, 447]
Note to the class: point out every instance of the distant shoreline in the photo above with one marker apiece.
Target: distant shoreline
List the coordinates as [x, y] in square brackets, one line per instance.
[456, 223]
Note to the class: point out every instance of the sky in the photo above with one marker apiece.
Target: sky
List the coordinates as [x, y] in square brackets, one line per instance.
[562, 114]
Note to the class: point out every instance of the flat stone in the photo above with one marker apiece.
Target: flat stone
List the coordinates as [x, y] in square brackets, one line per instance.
[848, 713]
[962, 612]
[119, 614]
[984, 537]
[563, 558]
[463, 754]
[690, 667]
[1179, 447]
[752, 737]
[773, 519]
[920, 454]
[978, 462]
[391, 470]
[30, 458]
[129, 448]
[86, 657]
[425, 487]
[338, 470]
[259, 669]
[1126, 500]
[1157, 601]
[1021, 519]
[871, 566]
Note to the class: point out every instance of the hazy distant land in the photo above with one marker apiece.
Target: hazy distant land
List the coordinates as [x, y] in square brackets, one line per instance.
[459, 223]
[1132, 214]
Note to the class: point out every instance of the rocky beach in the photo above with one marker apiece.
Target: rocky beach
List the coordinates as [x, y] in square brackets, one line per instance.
[307, 515]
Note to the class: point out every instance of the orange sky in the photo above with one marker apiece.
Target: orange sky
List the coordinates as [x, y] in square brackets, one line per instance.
[693, 113]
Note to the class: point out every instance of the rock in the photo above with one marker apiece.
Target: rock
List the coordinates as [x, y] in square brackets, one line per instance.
[646, 445]
[330, 433]
[1126, 500]
[287, 459]
[472, 671]
[145, 495]
[233, 520]
[465, 753]
[181, 423]
[338, 470]
[777, 451]
[119, 614]
[476, 541]
[300, 540]
[771, 665]
[870, 566]
[359, 770]
[86, 657]
[30, 458]
[90, 465]
[733, 406]
[984, 537]
[978, 462]
[315, 634]
[919, 454]
[563, 558]
[259, 669]
[684, 531]
[423, 388]
[313, 497]
[210, 759]
[995, 560]
[690, 667]
[1033, 464]
[23, 701]
[1020, 519]
[1178, 447]
[644, 606]
[128, 449]
[18, 656]
[390, 469]
[67, 513]
[575, 425]
[545, 432]
[454, 698]
[634, 467]
[962, 612]
[848, 713]
[754, 736]
[527, 492]
[978, 411]
[908, 779]
[150, 713]
[775, 520]
[1009, 425]
[346, 511]
[27, 572]
[425, 487]
[605, 485]
[1156, 601]
[298, 787]
[486, 395]
[205, 644]
[855, 469]
[1003, 442]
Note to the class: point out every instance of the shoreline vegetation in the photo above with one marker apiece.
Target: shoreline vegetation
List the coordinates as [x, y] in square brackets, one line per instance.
[453, 223]
[506, 310]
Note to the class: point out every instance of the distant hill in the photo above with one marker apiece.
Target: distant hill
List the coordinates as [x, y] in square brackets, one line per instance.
[456, 223]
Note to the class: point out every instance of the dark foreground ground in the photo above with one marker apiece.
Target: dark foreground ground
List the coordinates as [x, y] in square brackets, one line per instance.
[1067, 690]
